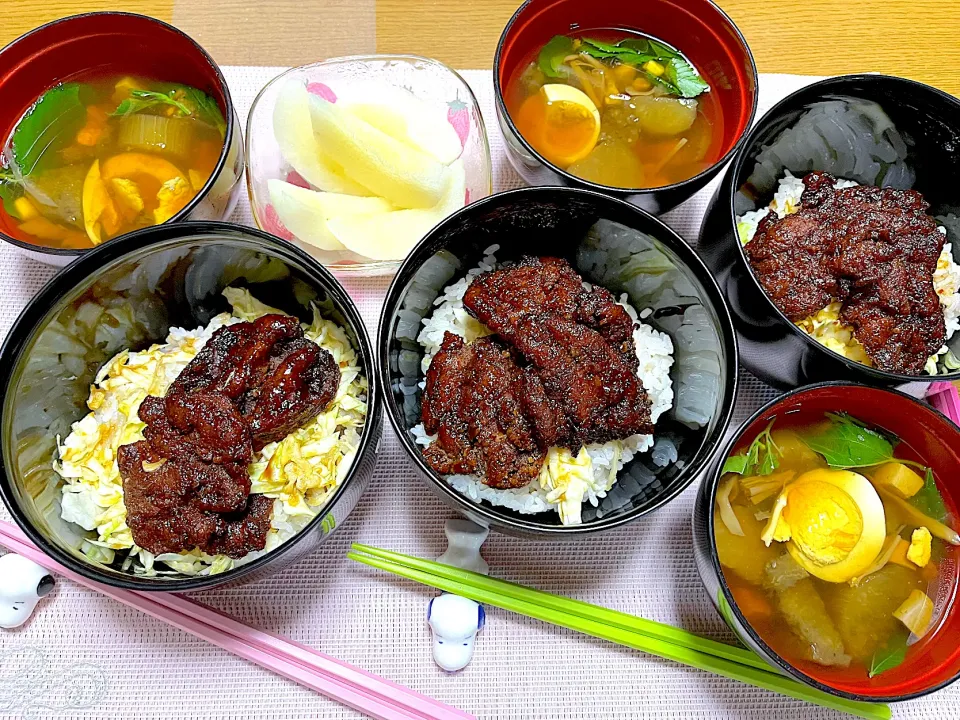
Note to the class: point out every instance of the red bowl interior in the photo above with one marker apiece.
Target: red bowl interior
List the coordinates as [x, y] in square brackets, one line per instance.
[698, 28]
[935, 441]
[98, 44]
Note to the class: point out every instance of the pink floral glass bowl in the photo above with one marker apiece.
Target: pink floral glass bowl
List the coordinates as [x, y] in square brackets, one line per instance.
[429, 80]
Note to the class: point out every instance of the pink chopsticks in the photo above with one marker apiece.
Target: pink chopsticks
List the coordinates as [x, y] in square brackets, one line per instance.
[359, 689]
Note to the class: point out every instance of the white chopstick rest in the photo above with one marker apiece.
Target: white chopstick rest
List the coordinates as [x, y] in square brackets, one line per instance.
[464, 539]
[22, 585]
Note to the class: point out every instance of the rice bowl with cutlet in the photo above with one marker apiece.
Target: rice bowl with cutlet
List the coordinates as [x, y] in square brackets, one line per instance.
[567, 478]
[297, 473]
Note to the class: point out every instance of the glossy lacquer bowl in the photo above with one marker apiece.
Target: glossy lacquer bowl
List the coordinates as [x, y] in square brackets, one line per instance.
[700, 29]
[567, 223]
[935, 661]
[113, 42]
[147, 282]
[772, 347]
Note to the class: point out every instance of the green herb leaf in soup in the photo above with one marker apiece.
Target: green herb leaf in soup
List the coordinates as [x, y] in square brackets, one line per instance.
[605, 51]
[602, 50]
[759, 459]
[204, 108]
[678, 75]
[846, 443]
[646, 46]
[735, 464]
[49, 126]
[891, 655]
[553, 53]
[141, 100]
[10, 191]
[682, 76]
[928, 499]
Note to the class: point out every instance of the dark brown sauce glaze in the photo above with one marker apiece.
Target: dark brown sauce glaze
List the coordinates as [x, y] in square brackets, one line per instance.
[872, 249]
[586, 378]
[548, 286]
[186, 484]
[561, 371]
[473, 399]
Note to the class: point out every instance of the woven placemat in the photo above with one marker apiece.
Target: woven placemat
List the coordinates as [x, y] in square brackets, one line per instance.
[85, 656]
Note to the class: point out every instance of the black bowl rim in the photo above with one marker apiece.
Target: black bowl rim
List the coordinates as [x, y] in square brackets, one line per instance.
[492, 514]
[67, 279]
[224, 151]
[578, 182]
[713, 478]
[821, 88]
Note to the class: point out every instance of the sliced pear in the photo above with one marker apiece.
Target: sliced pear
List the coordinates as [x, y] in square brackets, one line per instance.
[389, 236]
[305, 212]
[405, 117]
[298, 145]
[406, 177]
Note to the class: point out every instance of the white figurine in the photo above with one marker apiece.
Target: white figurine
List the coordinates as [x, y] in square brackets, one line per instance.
[22, 584]
[464, 539]
[455, 622]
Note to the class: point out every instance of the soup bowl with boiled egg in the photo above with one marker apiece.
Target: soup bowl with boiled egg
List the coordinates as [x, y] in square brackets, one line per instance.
[826, 535]
[642, 101]
[111, 122]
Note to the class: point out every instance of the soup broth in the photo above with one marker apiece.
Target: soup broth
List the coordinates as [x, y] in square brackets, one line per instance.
[99, 157]
[836, 544]
[617, 108]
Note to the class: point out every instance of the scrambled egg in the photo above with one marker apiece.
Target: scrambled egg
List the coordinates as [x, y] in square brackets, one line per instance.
[113, 194]
[99, 211]
[920, 547]
[126, 196]
[172, 197]
[301, 471]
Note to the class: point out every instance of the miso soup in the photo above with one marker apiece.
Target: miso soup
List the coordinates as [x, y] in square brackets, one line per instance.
[836, 543]
[100, 157]
[618, 109]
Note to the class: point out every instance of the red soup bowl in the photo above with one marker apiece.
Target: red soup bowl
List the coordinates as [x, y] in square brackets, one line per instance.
[698, 28]
[932, 439]
[102, 43]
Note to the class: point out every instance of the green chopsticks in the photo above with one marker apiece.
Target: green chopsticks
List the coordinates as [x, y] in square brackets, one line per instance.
[630, 631]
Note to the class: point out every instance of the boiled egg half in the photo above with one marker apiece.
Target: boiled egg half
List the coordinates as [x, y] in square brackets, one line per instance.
[831, 521]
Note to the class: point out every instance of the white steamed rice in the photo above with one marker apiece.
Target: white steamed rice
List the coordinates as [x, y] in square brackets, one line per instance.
[565, 482]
